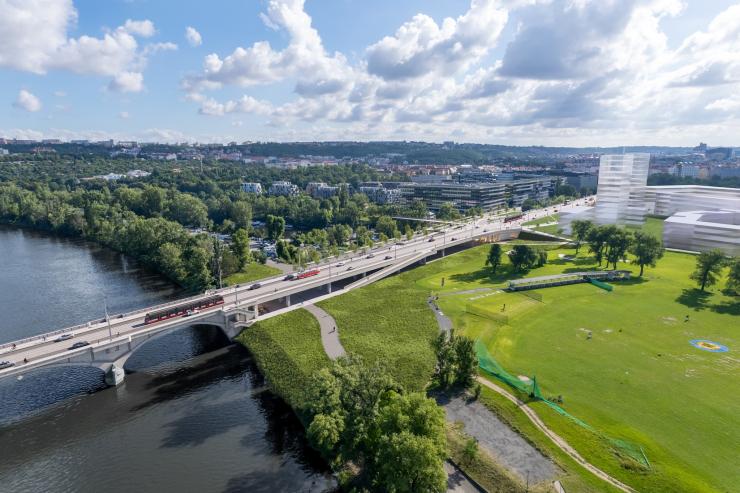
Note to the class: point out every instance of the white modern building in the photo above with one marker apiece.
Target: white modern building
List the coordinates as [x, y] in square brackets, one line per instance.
[248, 187]
[284, 188]
[667, 200]
[621, 189]
[320, 190]
[700, 231]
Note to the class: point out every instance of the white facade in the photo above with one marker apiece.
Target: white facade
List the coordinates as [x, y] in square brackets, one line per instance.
[284, 188]
[252, 188]
[701, 231]
[667, 200]
[621, 189]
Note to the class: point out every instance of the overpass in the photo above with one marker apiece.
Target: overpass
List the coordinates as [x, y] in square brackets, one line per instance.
[113, 340]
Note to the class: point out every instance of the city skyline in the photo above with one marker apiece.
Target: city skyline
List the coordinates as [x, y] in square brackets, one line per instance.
[659, 72]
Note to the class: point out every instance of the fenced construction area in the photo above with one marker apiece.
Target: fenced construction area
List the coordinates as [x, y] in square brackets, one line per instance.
[620, 363]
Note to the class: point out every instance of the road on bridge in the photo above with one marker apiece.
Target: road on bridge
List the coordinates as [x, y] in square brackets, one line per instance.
[44, 348]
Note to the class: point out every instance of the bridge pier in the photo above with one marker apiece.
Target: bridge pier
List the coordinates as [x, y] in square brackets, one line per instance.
[328, 288]
[443, 252]
[114, 376]
[287, 300]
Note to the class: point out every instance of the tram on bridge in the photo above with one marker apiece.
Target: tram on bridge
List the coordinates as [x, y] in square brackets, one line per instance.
[183, 309]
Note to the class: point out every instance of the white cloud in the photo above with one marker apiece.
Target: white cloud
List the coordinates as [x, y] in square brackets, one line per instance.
[246, 104]
[421, 47]
[304, 56]
[27, 101]
[34, 38]
[193, 36]
[144, 28]
[124, 115]
[127, 82]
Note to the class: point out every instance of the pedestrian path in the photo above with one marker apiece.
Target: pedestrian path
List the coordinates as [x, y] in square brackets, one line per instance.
[329, 333]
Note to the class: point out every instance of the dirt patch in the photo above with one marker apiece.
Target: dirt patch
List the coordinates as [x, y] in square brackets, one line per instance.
[505, 445]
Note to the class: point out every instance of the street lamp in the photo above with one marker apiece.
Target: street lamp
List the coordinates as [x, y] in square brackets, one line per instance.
[107, 318]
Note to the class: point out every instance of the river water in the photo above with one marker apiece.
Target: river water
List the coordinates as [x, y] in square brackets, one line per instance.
[193, 414]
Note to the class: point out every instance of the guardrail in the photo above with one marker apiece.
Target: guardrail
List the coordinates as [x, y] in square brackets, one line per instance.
[221, 291]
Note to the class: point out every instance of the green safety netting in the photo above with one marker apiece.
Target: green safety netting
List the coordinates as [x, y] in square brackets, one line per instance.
[488, 364]
[601, 284]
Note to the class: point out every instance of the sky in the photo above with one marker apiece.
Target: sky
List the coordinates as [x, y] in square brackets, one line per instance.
[512, 72]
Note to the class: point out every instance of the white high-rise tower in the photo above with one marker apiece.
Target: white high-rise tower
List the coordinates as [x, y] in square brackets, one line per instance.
[620, 195]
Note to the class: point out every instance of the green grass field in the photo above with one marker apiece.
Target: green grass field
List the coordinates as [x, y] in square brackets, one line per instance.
[251, 272]
[638, 378]
[389, 321]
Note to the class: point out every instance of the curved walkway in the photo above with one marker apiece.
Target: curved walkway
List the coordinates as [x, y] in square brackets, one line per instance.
[556, 439]
[537, 421]
[329, 334]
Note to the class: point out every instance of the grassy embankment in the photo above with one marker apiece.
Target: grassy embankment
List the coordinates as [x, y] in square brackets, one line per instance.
[252, 272]
[287, 350]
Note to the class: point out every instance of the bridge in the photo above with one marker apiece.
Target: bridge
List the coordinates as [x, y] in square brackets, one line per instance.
[111, 341]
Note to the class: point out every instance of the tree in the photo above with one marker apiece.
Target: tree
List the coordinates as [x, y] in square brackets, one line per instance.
[522, 257]
[241, 213]
[187, 210]
[457, 362]
[494, 257]
[733, 276]
[647, 249]
[581, 230]
[359, 414]
[447, 211]
[597, 240]
[618, 242]
[275, 227]
[541, 257]
[240, 247]
[708, 266]
[529, 204]
[386, 225]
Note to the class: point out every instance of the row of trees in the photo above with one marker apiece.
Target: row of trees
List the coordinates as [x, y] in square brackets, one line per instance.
[709, 267]
[611, 244]
[193, 261]
[521, 257]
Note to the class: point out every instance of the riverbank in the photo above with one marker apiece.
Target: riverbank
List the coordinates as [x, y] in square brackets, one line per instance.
[192, 403]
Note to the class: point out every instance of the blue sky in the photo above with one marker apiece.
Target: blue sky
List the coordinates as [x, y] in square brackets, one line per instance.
[556, 72]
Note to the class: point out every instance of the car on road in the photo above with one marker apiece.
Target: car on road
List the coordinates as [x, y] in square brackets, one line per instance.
[371, 255]
[454, 239]
[430, 240]
[255, 286]
[64, 337]
[400, 243]
[350, 267]
[339, 264]
[289, 277]
[6, 364]
[191, 312]
[78, 345]
[388, 257]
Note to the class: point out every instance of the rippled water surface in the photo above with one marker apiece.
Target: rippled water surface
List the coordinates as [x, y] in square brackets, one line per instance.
[192, 415]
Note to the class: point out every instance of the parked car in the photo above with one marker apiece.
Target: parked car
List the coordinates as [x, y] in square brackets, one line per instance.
[6, 364]
[64, 337]
[78, 345]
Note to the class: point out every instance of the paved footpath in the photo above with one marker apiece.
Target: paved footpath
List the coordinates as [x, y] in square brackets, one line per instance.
[329, 332]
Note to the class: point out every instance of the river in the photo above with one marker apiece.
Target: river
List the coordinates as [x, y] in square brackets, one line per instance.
[194, 414]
